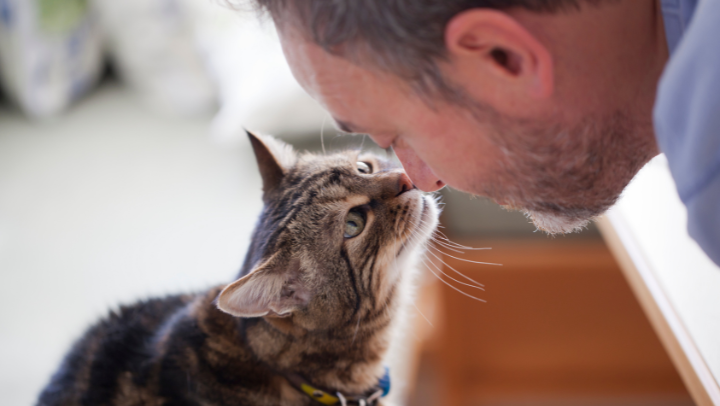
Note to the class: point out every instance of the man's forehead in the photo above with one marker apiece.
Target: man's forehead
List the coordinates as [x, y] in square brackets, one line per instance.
[322, 75]
[356, 97]
[307, 58]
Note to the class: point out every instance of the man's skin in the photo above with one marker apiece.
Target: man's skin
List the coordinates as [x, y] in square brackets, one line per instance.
[577, 73]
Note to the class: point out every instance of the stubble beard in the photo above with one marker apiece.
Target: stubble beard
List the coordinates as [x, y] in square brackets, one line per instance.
[564, 178]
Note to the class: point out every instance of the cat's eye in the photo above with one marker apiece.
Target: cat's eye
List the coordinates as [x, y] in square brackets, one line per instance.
[364, 167]
[354, 224]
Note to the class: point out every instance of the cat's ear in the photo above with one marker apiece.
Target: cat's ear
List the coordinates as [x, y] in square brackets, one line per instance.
[275, 288]
[274, 158]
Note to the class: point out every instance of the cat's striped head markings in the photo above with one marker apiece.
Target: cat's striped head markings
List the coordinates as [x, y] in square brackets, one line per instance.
[333, 241]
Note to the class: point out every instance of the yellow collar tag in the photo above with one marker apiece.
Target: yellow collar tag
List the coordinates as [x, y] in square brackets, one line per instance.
[318, 395]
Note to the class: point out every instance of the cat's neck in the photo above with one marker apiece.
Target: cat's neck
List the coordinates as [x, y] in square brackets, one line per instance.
[347, 359]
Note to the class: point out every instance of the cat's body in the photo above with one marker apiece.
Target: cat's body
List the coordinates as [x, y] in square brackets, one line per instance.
[318, 294]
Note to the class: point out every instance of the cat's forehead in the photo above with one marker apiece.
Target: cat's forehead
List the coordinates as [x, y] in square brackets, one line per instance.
[332, 183]
[311, 162]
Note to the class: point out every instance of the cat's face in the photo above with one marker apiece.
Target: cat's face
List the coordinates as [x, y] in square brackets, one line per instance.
[333, 239]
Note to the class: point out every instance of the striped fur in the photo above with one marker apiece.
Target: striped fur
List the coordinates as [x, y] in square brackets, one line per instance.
[308, 300]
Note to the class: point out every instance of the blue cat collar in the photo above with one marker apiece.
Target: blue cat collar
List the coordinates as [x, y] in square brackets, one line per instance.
[384, 382]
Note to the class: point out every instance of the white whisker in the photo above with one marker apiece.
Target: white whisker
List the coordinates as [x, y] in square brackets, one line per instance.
[433, 239]
[473, 262]
[480, 285]
[431, 244]
[456, 245]
[395, 266]
[445, 244]
[322, 134]
[357, 328]
[454, 288]
[421, 313]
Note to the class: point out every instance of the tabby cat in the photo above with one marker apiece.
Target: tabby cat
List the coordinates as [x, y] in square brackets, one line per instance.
[309, 319]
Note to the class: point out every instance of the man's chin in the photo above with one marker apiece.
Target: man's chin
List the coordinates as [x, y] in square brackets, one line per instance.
[560, 217]
[553, 223]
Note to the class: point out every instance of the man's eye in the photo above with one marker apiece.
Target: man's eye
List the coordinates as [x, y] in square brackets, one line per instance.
[364, 167]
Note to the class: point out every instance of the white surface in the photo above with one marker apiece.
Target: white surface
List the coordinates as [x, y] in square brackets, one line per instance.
[652, 215]
[102, 206]
[244, 58]
[152, 45]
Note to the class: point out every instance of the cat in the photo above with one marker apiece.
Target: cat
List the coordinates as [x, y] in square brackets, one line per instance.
[307, 322]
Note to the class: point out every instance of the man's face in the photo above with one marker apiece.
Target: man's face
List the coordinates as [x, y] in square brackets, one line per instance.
[557, 173]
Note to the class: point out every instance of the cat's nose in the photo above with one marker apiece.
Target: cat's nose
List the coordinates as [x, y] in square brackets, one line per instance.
[404, 184]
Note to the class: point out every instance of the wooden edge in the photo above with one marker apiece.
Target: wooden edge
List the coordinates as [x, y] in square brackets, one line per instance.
[669, 327]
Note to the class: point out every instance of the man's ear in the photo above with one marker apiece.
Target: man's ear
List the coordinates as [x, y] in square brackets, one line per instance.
[499, 54]
[274, 288]
[273, 157]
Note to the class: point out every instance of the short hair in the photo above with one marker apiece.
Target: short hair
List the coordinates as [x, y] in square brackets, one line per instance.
[403, 37]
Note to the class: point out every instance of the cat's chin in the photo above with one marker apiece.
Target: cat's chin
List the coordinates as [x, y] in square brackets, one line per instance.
[425, 221]
[429, 216]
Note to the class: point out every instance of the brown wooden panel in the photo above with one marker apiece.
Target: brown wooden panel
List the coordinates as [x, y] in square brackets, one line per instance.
[560, 321]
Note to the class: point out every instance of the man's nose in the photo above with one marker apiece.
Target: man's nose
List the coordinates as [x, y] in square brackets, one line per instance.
[419, 172]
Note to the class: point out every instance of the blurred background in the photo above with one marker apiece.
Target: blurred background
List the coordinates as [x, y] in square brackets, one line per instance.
[125, 173]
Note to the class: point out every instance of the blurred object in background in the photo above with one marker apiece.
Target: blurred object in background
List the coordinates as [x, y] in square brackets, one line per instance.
[151, 43]
[244, 58]
[183, 57]
[50, 53]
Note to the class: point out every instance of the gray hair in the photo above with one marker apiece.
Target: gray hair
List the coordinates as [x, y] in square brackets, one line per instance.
[403, 37]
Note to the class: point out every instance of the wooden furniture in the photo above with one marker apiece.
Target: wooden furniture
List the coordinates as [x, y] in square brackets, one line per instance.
[560, 327]
[676, 283]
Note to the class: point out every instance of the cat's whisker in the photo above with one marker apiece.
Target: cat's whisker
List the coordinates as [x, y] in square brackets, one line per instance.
[431, 246]
[322, 134]
[395, 266]
[433, 239]
[453, 287]
[480, 285]
[476, 285]
[414, 235]
[445, 238]
[415, 232]
[447, 243]
[437, 236]
[455, 280]
[357, 328]
[421, 314]
[472, 262]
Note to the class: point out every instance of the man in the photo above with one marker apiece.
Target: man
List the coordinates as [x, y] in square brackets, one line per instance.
[542, 105]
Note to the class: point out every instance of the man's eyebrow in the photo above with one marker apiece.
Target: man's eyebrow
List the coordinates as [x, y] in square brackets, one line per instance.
[347, 127]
